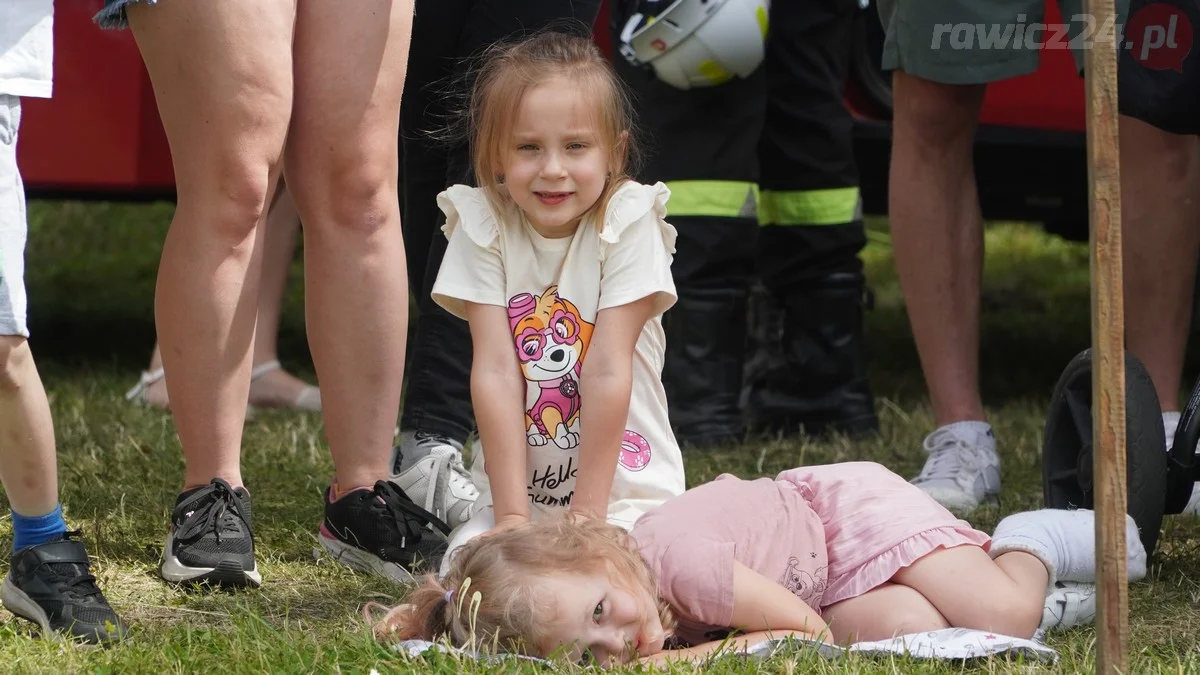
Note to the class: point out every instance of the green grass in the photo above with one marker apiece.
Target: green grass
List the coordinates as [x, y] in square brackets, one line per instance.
[91, 276]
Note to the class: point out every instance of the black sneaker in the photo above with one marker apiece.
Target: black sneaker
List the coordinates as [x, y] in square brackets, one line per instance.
[50, 585]
[383, 532]
[211, 540]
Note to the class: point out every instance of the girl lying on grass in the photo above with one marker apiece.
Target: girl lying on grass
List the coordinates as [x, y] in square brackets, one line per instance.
[839, 553]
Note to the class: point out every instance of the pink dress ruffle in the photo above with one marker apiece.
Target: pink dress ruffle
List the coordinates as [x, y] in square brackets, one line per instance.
[883, 567]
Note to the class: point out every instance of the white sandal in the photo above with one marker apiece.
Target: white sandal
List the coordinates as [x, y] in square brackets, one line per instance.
[309, 397]
[148, 379]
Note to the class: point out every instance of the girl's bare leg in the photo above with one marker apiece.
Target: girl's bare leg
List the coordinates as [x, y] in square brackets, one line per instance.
[960, 587]
[882, 613]
[1005, 595]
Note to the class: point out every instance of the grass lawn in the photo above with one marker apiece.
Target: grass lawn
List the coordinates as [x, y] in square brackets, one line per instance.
[91, 277]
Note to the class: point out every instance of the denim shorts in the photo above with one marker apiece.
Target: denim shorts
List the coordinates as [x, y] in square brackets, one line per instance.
[113, 14]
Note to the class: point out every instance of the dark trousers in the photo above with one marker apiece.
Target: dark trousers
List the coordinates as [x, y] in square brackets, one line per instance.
[785, 132]
[446, 35]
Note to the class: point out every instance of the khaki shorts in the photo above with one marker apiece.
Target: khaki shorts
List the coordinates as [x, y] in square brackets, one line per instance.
[981, 41]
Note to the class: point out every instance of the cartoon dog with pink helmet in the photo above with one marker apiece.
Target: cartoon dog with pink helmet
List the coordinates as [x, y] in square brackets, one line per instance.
[551, 339]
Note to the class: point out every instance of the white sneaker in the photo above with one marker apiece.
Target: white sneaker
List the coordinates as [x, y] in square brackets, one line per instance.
[1069, 604]
[438, 481]
[963, 469]
[1170, 424]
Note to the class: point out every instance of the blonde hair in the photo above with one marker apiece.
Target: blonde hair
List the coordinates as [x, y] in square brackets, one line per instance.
[494, 579]
[509, 70]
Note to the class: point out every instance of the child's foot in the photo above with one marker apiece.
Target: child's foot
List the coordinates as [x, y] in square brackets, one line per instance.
[273, 387]
[1069, 604]
[1065, 541]
[51, 585]
[963, 469]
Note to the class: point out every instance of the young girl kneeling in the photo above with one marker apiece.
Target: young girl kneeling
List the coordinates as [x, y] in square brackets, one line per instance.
[839, 553]
[562, 266]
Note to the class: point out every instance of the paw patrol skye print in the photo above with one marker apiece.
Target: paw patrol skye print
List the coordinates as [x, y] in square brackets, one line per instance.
[551, 340]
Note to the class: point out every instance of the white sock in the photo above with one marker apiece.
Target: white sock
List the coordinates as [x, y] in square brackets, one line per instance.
[1170, 424]
[1065, 542]
[971, 429]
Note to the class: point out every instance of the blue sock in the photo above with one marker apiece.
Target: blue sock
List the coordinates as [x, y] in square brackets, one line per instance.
[29, 531]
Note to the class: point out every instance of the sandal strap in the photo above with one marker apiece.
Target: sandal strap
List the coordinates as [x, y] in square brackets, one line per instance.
[148, 379]
[263, 368]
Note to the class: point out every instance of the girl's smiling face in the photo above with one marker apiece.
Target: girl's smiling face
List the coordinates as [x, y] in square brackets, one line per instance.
[556, 162]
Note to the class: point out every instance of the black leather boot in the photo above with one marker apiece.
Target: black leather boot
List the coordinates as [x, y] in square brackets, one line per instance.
[702, 373]
[806, 372]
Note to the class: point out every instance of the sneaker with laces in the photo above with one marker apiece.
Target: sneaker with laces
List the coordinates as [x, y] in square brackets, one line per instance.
[211, 538]
[963, 469]
[1069, 604]
[381, 531]
[51, 585]
[438, 481]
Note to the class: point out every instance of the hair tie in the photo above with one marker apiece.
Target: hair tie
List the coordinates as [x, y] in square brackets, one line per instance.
[449, 596]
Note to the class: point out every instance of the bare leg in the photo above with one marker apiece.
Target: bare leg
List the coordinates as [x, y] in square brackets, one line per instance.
[1005, 595]
[882, 613]
[341, 168]
[28, 466]
[958, 587]
[937, 235]
[222, 76]
[277, 387]
[1160, 175]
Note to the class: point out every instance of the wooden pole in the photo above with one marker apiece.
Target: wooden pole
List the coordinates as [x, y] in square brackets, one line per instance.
[1108, 342]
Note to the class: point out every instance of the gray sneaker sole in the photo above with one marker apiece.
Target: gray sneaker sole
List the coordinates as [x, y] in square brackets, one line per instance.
[19, 603]
[358, 559]
[227, 573]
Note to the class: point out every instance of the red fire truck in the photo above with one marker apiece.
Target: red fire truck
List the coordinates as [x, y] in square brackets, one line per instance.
[100, 136]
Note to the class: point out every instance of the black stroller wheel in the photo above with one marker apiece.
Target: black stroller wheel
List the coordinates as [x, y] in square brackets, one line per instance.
[1067, 450]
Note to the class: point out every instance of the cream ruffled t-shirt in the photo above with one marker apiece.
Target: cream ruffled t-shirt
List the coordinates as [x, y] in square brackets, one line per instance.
[553, 290]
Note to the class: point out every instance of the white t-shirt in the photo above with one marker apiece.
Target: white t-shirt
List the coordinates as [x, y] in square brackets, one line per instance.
[27, 47]
[553, 289]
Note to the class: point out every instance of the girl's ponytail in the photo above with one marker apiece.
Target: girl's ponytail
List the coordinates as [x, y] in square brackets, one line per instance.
[426, 615]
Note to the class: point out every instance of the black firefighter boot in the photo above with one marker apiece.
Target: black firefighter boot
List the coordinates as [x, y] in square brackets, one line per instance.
[807, 368]
[702, 371]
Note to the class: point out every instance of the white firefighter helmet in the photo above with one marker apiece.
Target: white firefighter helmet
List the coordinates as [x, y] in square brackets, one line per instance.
[695, 43]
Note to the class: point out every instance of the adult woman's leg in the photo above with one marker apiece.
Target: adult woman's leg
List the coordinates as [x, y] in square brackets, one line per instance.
[222, 75]
[341, 166]
[342, 171]
[272, 386]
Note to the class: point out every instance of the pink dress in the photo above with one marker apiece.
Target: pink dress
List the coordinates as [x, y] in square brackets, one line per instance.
[826, 533]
